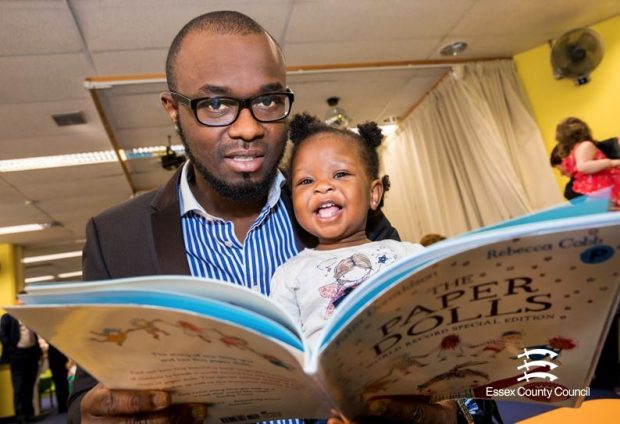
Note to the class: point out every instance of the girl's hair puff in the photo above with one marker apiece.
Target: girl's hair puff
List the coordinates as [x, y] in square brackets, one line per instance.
[304, 125]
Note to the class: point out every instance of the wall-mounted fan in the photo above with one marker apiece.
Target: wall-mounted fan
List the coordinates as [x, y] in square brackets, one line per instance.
[576, 54]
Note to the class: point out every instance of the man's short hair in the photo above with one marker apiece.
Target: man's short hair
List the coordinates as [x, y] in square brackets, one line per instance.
[220, 22]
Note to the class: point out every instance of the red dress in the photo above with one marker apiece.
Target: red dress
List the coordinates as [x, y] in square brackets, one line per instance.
[588, 183]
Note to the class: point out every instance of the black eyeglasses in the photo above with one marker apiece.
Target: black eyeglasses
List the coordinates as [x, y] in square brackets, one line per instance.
[223, 111]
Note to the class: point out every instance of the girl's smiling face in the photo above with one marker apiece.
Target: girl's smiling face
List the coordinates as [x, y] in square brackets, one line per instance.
[332, 191]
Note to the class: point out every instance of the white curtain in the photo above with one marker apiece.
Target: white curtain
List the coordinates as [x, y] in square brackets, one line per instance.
[469, 155]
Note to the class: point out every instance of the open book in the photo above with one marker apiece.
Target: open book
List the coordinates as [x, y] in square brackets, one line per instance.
[518, 311]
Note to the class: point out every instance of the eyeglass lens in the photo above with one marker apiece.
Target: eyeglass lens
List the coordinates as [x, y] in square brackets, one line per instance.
[223, 110]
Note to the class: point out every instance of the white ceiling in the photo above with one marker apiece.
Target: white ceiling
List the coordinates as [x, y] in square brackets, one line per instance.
[49, 47]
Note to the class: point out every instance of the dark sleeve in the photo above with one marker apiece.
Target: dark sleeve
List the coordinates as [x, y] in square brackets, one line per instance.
[568, 191]
[82, 383]
[610, 147]
[378, 227]
[94, 268]
[3, 333]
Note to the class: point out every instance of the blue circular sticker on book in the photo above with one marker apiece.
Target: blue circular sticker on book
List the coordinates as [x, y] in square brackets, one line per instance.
[597, 254]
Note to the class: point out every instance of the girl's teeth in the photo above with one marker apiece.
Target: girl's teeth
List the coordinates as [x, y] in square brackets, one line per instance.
[328, 212]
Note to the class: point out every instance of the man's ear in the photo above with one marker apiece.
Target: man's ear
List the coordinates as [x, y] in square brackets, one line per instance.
[376, 193]
[170, 106]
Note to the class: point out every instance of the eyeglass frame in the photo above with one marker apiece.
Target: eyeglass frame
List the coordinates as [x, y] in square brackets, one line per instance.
[243, 104]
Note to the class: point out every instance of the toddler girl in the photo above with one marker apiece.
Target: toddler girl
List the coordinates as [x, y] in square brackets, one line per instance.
[334, 181]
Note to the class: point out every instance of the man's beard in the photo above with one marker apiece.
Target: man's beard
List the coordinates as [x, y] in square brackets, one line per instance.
[247, 190]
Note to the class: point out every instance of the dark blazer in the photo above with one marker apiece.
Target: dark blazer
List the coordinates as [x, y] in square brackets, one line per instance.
[144, 237]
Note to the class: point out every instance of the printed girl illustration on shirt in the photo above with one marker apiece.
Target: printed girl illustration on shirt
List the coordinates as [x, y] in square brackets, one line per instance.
[348, 273]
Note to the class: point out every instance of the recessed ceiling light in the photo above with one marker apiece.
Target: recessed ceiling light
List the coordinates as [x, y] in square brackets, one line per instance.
[453, 49]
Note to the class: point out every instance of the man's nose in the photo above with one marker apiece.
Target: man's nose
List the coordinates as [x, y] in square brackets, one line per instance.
[246, 127]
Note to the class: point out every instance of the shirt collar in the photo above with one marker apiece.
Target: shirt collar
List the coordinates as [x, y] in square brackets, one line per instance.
[189, 203]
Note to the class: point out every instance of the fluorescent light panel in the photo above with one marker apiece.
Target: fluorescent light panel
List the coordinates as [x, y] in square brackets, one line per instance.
[52, 257]
[70, 274]
[24, 228]
[39, 279]
[51, 277]
[88, 158]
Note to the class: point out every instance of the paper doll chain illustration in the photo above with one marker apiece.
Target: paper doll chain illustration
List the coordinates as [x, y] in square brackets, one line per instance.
[154, 329]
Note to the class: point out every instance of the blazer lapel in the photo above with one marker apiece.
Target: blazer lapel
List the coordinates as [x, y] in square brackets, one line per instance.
[167, 230]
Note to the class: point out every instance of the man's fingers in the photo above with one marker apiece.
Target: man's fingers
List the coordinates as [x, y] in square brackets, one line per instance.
[175, 414]
[405, 410]
[101, 401]
[104, 406]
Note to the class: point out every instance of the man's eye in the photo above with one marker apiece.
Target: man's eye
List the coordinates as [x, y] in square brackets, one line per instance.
[214, 105]
[268, 101]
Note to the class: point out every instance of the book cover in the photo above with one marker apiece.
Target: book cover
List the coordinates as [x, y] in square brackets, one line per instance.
[518, 312]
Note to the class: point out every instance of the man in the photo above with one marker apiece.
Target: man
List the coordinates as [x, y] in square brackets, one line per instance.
[224, 214]
[20, 348]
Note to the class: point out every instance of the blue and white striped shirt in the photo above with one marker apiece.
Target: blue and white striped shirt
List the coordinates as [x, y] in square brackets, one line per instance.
[213, 251]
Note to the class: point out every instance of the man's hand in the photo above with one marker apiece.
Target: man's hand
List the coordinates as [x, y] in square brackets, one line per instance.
[401, 409]
[102, 405]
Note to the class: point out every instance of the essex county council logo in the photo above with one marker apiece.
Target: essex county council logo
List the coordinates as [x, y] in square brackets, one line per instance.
[537, 366]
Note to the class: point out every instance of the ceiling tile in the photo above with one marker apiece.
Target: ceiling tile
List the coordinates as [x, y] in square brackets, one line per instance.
[138, 110]
[43, 78]
[23, 179]
[490, 18]
[126, 62]
[88, 203]
[149, 180]
[372, 20]
[32, 120]
[106, 185]
[37, 27]
[90, 141]
[147, 24]
[21, 214]
[333, 52]
[49, 235]
[147, 136]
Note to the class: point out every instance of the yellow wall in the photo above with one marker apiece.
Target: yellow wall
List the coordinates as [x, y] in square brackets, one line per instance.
[597, 102]
[10, 273]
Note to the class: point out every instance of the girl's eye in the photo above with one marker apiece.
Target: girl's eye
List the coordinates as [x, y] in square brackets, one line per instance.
[304, 181]
[340, 174]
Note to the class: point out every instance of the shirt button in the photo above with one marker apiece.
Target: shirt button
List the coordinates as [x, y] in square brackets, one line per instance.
[228, 243]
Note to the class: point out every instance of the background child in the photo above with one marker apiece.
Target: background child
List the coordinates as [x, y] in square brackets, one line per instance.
[334, 181]
[580, 158]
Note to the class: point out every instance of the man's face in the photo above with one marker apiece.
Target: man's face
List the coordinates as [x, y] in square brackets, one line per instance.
[240, 160]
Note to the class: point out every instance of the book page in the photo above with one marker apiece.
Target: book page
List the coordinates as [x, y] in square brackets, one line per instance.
[456, 327]
[177, 284]
[239, 373]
